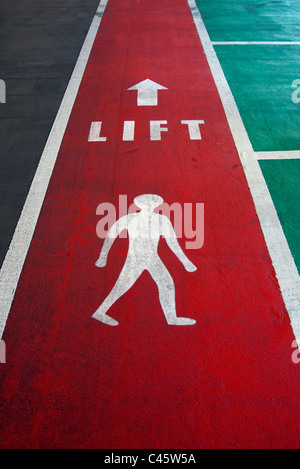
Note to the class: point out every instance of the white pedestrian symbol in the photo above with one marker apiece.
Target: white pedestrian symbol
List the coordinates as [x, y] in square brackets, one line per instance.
[144, 231]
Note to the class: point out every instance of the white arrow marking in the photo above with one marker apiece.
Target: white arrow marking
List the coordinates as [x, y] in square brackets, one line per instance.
[147, 92]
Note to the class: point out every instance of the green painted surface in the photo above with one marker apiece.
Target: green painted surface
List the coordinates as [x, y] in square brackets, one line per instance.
[283, 178]
[260, 78]
[246, 20]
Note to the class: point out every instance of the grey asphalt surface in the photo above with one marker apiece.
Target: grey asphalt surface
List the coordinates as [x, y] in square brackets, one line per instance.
[39, 44]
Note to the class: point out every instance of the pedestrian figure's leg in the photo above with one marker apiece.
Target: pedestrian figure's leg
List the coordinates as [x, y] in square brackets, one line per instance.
[166, 289]
[127, 278]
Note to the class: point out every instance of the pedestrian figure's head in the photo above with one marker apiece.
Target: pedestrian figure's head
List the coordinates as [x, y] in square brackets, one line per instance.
[148, 201]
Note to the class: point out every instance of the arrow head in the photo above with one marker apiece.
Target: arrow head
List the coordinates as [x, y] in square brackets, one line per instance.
[147, 92]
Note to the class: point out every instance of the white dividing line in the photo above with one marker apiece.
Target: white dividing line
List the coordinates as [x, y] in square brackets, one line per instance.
[17, 252]
[277, 155]
[283, 262]
[256, 43]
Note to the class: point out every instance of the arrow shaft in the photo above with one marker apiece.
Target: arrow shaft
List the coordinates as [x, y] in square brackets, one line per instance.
[147, 97]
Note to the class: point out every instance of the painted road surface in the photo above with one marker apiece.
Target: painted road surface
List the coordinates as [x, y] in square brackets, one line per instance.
[36, 69]
[257, 44]
[226, 379]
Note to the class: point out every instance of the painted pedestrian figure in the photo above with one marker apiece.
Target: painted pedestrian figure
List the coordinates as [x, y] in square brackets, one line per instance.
[144, 231]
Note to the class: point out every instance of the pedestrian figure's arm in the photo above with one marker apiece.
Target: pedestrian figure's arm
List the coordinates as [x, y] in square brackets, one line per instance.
[112, 234]
[171, 239]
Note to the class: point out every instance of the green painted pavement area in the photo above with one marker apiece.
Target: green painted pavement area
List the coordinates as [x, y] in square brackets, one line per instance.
[282, 178]
[260, 78]
[246, 20]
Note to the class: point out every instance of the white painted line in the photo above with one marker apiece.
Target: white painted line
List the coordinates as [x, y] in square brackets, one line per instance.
[256, 43]
[17, 252]
[277, 155]
[2, 92]
[282, 259]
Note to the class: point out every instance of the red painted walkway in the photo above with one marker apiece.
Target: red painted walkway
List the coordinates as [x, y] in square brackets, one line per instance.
[70, 381]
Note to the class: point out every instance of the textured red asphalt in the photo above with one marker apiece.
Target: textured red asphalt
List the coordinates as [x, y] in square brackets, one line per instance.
[72, 382]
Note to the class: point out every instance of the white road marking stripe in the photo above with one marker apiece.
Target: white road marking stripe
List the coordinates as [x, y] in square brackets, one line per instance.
[282, 259]
[255, 43]
[277, 155]
[17, 252]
